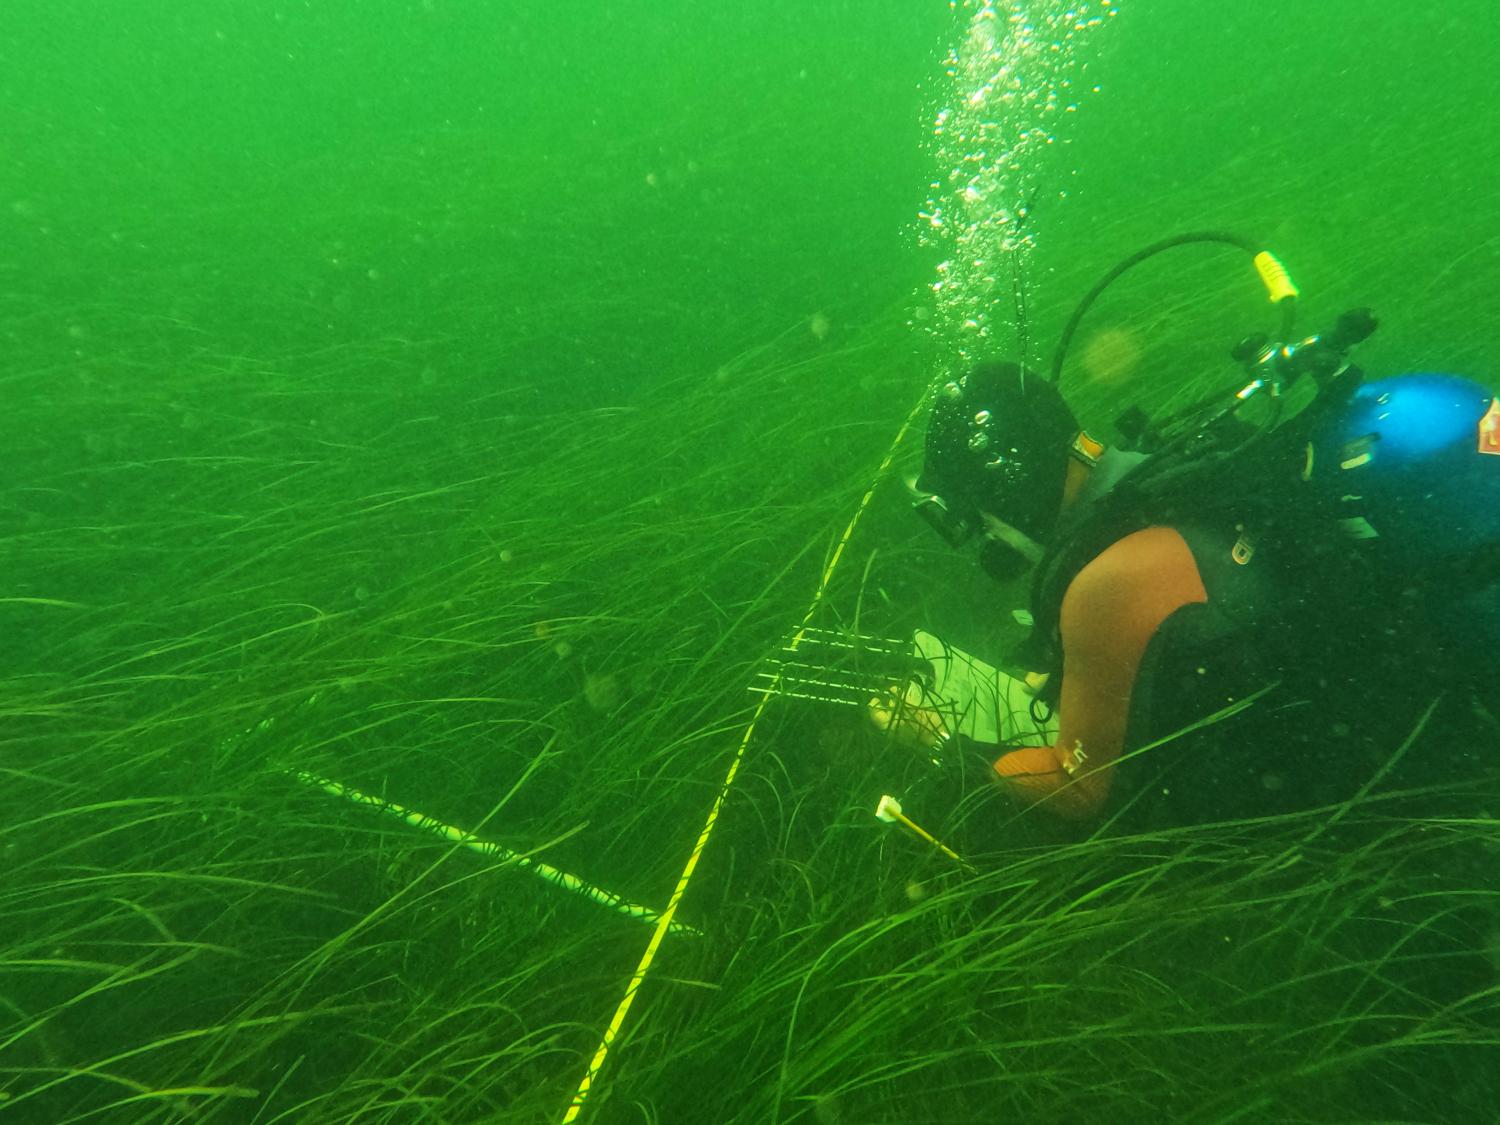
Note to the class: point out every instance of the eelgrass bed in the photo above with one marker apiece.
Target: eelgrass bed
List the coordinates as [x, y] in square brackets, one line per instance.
[551, 650]
[460, 491]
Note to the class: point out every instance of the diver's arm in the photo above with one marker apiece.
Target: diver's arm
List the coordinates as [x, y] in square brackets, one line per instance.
[1109, 614]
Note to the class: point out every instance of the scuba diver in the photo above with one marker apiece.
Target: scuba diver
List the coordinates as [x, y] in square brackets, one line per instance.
[1314, 545]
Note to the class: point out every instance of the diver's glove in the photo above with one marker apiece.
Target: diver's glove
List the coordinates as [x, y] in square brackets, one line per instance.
[955, 695]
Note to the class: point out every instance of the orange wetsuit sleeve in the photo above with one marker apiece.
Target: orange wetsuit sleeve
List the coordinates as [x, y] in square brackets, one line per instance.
[1110, 612]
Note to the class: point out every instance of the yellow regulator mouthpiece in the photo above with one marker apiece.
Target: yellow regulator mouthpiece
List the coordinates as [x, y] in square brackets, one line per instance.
[1273, 275]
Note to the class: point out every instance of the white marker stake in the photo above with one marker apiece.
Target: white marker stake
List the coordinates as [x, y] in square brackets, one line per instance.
[889, 810]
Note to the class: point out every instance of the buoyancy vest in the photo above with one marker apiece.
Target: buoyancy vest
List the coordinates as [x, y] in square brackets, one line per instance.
[1256, 561]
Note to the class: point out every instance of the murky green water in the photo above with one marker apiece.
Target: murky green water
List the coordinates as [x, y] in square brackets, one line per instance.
[460, 400]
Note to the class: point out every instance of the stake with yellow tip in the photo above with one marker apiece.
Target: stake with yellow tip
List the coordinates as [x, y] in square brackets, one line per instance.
[889, 810]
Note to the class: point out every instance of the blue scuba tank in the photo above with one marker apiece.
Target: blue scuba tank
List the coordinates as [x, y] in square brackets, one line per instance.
[1410, 468]
[1409, 472]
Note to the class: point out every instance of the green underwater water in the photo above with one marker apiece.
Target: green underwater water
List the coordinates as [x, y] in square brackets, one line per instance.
[459, 401]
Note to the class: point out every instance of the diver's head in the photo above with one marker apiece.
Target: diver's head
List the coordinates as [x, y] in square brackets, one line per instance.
[998, 444]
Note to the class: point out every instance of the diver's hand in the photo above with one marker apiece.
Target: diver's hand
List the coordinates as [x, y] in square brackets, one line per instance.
[904, 713]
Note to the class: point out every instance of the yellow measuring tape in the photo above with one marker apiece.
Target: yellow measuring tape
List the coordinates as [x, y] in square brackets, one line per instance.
[665, 921]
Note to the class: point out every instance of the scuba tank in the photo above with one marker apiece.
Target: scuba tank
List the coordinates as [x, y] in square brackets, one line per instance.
[1223, 465]
[1335, 483]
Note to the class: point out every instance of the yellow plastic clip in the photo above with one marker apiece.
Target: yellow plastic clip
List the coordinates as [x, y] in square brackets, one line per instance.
[1273, 276]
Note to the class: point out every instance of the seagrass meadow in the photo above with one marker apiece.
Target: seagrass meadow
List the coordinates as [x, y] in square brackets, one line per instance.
[445, 409]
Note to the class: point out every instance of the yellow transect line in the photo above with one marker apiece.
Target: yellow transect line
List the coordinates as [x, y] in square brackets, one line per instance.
[580, 1097]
